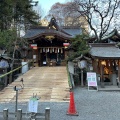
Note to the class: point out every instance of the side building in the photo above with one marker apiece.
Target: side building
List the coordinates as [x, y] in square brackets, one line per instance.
[106, 59]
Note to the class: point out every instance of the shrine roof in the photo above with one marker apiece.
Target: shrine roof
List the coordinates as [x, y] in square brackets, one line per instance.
[105, 51]
[114, 36]
[53, 29]
[66, 32]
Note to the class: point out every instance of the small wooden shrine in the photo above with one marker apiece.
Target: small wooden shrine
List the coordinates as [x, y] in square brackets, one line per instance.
[106, 59]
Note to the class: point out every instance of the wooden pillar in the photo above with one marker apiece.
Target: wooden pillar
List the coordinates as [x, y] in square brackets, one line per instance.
[66, 54]
[82, 77]
[95, 66]
[39, 57]
[102, 75]
[35, 52]
[118, 73]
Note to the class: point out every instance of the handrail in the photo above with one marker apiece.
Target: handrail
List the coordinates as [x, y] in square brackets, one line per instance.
[13, 70]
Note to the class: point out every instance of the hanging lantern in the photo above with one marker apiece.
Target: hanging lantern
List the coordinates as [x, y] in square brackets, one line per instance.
[103, 62]
[34, 46]
[82, 64]
[66, 45]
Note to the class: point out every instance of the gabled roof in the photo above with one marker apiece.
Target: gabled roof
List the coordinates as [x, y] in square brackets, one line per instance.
[112, 35]
[104, 51]
[82, 58]
[52, 29]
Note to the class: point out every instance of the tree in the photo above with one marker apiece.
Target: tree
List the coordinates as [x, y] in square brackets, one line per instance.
[6, 14]
[12, 44]
[98, 14]
[63, 17]
[79, 45]
[57, 10]
[15, 12]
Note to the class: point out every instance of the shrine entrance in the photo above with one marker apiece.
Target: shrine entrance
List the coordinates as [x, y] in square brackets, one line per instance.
[51, 56]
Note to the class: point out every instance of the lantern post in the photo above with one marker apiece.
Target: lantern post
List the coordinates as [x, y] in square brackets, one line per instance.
[82, 64]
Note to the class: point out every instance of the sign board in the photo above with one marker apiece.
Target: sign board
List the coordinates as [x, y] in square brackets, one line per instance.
[91, 79]
[33, 105]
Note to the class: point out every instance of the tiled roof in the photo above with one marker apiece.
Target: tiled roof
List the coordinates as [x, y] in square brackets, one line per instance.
[65, 32]
[105, 51]
[52, 29]
[73, 31]
[111, 34]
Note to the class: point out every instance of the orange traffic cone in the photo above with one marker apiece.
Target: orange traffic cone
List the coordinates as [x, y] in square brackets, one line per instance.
[71, 109]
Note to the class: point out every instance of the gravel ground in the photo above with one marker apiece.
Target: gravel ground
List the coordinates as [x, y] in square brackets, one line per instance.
[90, 105]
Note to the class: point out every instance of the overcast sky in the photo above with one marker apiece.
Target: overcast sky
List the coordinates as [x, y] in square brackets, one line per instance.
[46, 4]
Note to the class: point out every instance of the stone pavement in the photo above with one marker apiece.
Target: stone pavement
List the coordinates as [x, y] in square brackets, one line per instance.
[90, 105]
[49, 83]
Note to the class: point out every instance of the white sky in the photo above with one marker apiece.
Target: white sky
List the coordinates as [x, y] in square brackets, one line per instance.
[46, 4]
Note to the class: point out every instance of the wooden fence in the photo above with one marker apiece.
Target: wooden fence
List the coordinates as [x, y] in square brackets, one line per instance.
[29, 116]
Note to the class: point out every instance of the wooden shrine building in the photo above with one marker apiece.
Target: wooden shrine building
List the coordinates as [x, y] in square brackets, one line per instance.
[49, 43]
[106, 59]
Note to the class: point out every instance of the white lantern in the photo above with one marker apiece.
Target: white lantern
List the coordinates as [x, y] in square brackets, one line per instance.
[82, 64]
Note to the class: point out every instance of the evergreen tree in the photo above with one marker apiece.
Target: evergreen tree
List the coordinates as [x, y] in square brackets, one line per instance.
[80, 46]
[15, 12]
[6, 14]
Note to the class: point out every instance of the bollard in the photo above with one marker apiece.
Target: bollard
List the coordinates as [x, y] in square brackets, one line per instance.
[47, 113]
[19, 114]
[5, 114]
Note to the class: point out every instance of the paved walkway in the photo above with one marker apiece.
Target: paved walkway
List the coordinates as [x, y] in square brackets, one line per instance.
[90, 105]
[49, 83]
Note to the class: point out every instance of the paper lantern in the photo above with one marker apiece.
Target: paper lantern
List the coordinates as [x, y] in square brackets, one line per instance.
[82, 64]
[66, 45]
